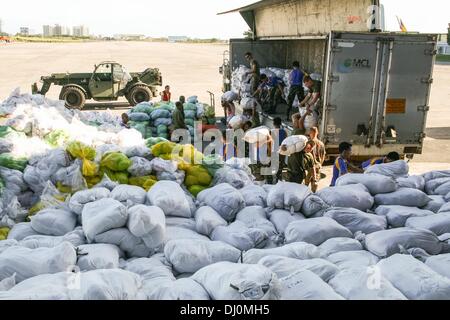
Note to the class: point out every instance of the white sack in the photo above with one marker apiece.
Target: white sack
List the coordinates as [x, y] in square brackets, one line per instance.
[169, 196]
[438, 223]
[357, 220]
[403, 197]
[375, 183]
[296, 250]
[53, 222]
[98, 256]
[79, 199]
[207, 219]
[147, 223]
[128, 195]
[352, 196]
[398, 215]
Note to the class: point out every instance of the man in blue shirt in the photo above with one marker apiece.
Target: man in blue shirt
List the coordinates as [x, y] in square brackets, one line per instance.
[282, 135]
[296, 89]
[270, 91]
[342, 163]
[391, 157]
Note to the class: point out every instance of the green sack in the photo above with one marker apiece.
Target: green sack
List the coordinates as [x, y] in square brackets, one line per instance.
[190, 107]
[56, 138]
[212, 163]
[189, 122]
[2, 186]
[161, 129]
[115, 161]
[11, 162]
[8, 132]
[140, 126]
[196, 189]
[143, 107]
[117, 176]
[80, 150]
[150, 142]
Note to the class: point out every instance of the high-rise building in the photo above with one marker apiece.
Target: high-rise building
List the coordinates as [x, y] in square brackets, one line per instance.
[59, 30]
[48, 31]
[80, 31]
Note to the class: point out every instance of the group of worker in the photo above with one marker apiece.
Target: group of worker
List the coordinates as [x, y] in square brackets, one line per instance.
[304, 166]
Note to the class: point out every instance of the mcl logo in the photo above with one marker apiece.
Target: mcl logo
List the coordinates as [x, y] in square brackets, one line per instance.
[348, 65]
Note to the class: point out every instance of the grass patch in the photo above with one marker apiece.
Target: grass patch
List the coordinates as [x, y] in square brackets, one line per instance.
[48, 39]
[443, 58]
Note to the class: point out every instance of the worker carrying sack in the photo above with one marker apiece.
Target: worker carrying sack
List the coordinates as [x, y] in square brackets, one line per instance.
[293, 144]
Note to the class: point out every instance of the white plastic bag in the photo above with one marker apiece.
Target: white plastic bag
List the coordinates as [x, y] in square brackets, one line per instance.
[288, 196]
[223, 198]
[334, 245]
[414, 279]
[293, 145]
[190, 255]
[232, 281]
[169, 196]
[394, 169]
[398, 215]
[356, 220]
[388, 242]
[79, 199]
[352, 196]
[129, 195]
[28, 263]
[98, 256]
[375, 183]
[403, 197]
[438, 223]
[315, 231]
[240, 236]
[207, 219]
[254, 195]
[297, 250]
[147, 223]
[281, 219]
[53, 222]
[103, 215]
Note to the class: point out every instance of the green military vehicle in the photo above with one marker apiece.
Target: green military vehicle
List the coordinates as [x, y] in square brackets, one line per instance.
[109, 81]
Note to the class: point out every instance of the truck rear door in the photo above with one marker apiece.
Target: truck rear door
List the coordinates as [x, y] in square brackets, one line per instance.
[376, 91]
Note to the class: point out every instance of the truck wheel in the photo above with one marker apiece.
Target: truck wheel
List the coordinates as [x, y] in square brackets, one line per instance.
[139, 94]
[74, 97]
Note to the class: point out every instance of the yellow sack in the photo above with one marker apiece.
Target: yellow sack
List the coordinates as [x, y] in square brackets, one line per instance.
[149, 183]
[117, 176]
[196, 189]
[197, 175]
[57, 198]
[80, 150]
[62, 188]
[164, 147]
[115, 161]
[89, 168]
[4, 233]
[92, 181]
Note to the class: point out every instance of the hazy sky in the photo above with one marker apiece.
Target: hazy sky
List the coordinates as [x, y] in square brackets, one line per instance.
[194, 18]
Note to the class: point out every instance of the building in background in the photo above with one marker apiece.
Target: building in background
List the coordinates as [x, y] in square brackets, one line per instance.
[173, 39]
[443, 45]
[48, 31]
[59, 30]
[25, 31]
[1, 30]
[128, 37]
[80, 31]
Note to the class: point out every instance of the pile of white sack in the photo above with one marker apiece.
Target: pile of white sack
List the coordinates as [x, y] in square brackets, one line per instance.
[383, 234]
[378, 235]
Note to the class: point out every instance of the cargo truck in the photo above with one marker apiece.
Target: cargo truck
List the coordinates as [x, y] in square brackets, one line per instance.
[375, 85]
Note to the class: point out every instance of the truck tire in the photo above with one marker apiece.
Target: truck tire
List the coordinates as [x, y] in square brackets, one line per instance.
[138, 94]
[74, 97]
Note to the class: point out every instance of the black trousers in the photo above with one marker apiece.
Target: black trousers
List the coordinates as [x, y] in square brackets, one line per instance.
[294, 91]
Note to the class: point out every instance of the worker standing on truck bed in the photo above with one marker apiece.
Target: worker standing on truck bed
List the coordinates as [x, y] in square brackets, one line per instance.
[296, 89]
[342, 163]
[319, 157]
[312, 98]
[254, 71]
[391, 157]
[274, 87]
[298, 123]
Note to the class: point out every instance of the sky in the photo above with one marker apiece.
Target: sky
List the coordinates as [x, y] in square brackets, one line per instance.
[193, 18]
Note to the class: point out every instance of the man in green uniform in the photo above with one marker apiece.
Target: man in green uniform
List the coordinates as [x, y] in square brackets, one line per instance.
[178, 117]
[300, 163]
